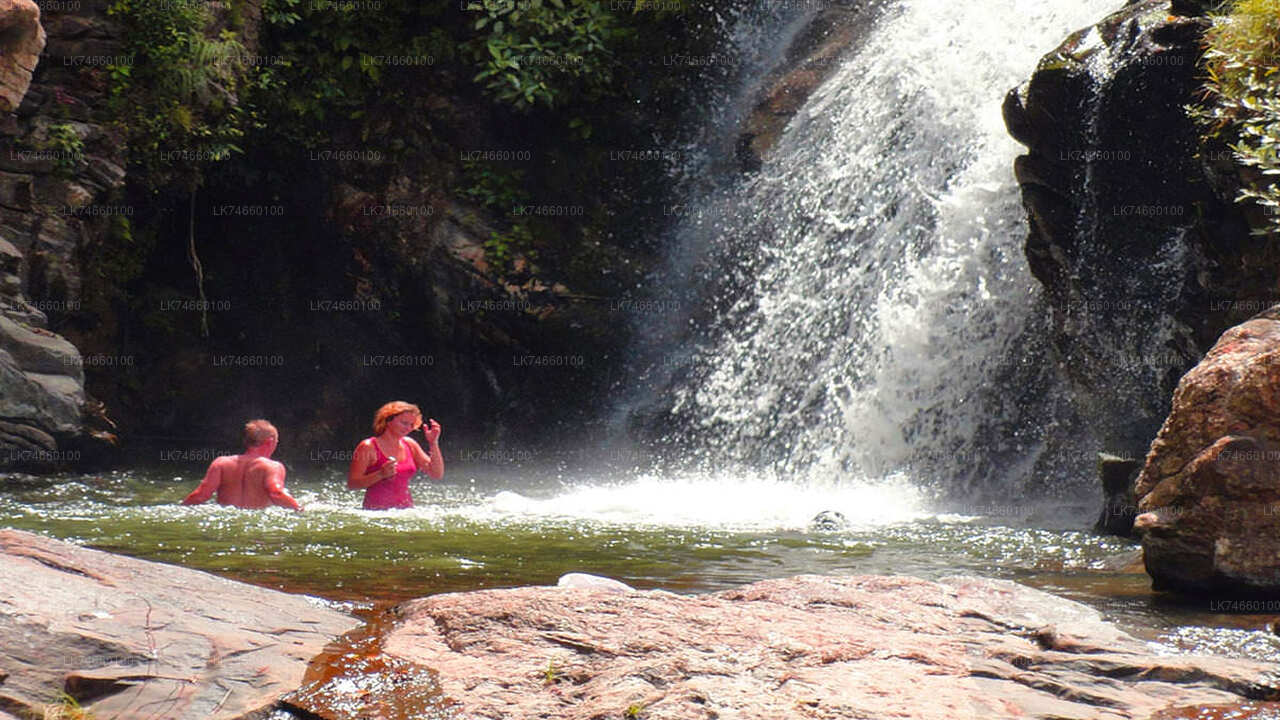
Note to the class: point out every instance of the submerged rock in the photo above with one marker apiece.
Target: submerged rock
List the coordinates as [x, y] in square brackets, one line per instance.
[809, 646]
[829, 521]
[1119, 507]
[129, 638]
[1209, 492]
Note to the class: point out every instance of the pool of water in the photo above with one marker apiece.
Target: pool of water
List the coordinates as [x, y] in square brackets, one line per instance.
[687, 534]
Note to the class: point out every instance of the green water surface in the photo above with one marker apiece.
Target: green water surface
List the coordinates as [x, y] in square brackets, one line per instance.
[461, 538]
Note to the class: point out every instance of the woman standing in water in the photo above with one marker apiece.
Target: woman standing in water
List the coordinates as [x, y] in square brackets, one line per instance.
[383, 464]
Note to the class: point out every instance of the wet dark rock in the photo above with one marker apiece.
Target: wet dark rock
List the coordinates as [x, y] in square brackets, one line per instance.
[1192, 8]
[1133, 232]
[41, 375]
[828, 521]
[131, 638]
[1119, 507]
[16, 191]
[809, 646]
[27, 437]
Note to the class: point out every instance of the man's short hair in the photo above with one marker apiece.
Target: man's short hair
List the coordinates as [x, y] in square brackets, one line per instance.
[257, 432]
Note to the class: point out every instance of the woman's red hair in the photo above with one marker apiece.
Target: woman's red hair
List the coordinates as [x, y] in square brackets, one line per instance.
[392, 409]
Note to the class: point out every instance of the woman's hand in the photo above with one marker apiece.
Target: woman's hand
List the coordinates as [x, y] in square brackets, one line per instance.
[388, 469]
[431, 430]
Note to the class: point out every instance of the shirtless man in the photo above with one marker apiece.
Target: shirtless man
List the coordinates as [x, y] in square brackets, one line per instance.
[251, 479]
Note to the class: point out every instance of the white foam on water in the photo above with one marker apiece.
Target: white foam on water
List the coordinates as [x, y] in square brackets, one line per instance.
[707, 501]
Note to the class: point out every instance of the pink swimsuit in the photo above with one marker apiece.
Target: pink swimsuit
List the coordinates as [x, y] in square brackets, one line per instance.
[392, 492]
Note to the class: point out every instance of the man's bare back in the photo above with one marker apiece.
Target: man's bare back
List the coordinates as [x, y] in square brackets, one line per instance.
[244, 481]
[248, 480]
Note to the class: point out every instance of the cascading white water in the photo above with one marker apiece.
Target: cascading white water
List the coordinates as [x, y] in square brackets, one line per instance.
[887, 305]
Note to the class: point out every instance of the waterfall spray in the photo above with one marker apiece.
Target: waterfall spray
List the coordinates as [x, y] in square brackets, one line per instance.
[864, 307]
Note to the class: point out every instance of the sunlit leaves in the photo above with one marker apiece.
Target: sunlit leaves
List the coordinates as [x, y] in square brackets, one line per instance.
[543, 54]
[1242, 68]
[178, 95]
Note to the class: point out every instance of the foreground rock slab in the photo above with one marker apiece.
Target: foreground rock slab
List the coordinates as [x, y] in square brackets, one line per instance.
[130, 638]
[804, 647]
[1209, 492]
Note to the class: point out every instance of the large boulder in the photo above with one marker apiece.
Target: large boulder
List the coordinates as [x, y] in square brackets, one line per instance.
[129, 638]
[810, 646]
[1209, 492]
[21, 41]
[1144, 255]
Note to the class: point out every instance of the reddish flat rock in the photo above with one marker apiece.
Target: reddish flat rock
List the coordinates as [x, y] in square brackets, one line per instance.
[805, 647]
[136, 639]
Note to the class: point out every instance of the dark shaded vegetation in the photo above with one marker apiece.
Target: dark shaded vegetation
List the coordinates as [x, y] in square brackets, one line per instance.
[246, 134]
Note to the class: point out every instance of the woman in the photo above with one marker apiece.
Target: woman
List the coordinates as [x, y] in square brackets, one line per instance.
[383, 464]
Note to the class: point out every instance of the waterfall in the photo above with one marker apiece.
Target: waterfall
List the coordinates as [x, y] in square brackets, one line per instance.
[861, 306]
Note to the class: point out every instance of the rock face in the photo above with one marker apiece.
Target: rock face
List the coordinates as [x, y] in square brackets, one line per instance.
[132, 639]
[1210, 489]
[21, 40]
[1144, 256]
[811, 647]
[52, 204]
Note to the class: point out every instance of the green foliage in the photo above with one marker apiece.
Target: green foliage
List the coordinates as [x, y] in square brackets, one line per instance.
[633, 711]
[501, 191]
[122, 258]
[493, 186]
[544, 52]
[176, 98]
[502, 249]
[65, 707]
[335, 59]
[67, 147]
[550, 675]
[1242, 62]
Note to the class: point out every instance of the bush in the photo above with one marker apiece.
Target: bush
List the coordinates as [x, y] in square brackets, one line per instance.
[1242, 61]
[177, 99]
[341, 60]
[68, 149]
[538, 52]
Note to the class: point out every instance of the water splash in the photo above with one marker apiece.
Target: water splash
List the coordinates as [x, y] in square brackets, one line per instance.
[871, 307]
[743, 503]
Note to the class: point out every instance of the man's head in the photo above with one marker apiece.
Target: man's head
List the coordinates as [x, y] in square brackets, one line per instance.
[258, 433]
[392, 409]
